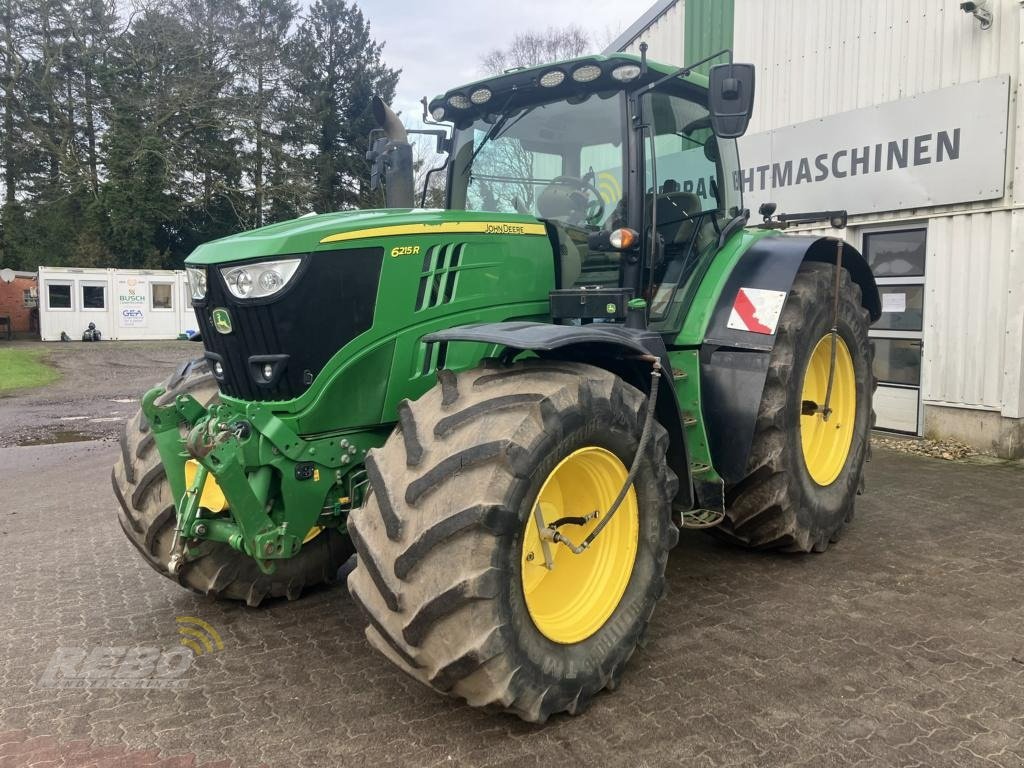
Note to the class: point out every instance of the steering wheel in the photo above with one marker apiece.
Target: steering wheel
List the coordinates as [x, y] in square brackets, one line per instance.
[569, 197]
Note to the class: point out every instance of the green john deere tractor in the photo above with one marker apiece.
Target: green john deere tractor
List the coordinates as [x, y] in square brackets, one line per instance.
[509, 408]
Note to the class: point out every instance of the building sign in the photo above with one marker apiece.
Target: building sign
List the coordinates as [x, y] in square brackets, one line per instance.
[131, 302]
[941, 147]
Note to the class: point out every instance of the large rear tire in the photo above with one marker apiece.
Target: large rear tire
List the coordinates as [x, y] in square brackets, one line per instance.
[147, 516]
[804, 472]
[451, 572]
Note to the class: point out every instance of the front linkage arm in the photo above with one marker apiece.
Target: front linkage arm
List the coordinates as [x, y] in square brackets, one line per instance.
[226, 444]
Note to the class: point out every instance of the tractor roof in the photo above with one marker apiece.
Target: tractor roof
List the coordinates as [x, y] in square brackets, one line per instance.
[558, 80]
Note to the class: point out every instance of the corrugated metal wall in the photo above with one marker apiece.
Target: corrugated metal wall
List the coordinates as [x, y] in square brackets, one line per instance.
[822, 57]
[664, 37]
[708, 30]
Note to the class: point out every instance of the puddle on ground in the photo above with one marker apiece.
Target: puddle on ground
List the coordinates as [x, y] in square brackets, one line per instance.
[54, 438]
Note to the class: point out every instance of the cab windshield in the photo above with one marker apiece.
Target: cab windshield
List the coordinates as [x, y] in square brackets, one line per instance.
[559, 161]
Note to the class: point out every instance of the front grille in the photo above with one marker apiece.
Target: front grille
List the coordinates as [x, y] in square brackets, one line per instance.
[329, 302]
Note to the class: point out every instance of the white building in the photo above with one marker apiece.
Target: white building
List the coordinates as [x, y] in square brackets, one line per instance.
[908, 115]
[123, 303]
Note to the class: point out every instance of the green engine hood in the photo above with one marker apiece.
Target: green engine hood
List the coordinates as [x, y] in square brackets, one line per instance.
[332, 230]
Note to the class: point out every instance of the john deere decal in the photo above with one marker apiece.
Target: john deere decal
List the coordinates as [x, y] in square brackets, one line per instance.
[221, 320]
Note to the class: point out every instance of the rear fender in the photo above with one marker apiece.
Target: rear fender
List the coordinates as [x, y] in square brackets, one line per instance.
[612, 347]
[734, 363]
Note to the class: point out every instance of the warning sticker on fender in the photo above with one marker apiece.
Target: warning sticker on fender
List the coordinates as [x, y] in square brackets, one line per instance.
[756, 310]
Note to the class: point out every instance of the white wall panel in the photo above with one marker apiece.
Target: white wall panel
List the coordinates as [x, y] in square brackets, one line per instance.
[822, 57]
[664, 37]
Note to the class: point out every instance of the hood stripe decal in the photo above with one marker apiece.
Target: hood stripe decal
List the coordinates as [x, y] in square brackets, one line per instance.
[444, 228]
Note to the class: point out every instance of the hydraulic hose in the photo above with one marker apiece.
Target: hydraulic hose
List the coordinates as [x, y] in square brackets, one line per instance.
[645, 438]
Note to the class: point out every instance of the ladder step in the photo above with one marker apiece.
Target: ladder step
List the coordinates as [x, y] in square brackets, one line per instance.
[702, 518]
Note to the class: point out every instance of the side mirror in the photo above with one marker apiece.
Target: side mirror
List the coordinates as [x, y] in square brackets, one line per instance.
[730, 98]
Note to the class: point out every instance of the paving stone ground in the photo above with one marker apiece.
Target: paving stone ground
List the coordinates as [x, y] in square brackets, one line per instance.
[901, 646]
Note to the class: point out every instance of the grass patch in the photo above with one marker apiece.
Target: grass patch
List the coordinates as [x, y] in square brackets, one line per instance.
[23, 369]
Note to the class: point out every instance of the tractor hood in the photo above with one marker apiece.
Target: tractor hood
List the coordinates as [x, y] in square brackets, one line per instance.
[329, 231]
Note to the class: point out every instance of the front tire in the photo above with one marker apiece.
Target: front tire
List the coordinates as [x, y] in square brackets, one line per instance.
[448, 553]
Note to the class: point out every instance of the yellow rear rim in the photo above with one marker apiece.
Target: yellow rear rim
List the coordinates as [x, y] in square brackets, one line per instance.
[826, 444]
[575, 597]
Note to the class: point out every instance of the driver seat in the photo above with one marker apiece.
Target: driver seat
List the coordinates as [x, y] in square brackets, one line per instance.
[674, 211]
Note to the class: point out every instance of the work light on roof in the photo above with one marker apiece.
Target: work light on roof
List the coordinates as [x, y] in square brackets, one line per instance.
[480, 96]
[459, 101]
[438, 113]
[552, 78]
[626, 72]
[586, 73]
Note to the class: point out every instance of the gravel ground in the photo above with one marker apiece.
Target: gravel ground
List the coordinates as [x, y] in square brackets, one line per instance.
[99, 388]
[950, 450]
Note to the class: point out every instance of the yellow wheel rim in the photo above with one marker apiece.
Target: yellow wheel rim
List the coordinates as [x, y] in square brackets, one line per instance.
[826, 444]
[575, 597]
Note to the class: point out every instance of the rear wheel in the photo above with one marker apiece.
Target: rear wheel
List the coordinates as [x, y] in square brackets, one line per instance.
[147, 516]
[805, 470]
[452, 573]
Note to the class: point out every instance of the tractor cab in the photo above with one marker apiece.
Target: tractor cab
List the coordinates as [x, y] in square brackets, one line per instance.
[618, 158]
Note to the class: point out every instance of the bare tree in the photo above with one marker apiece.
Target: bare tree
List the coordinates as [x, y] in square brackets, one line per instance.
[528, 49]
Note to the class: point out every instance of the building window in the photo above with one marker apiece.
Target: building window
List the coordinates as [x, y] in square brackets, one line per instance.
[161, 296]
[30, 298]
[94, 297]
[58, 295]
[896, 254]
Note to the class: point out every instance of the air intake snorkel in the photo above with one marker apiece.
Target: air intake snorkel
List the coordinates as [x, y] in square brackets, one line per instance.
[390, 157]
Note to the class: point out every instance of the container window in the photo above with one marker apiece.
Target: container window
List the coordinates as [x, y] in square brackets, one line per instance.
[898, 361]
[94, 297]
[896, 254]
[58, 295]
[162, 295]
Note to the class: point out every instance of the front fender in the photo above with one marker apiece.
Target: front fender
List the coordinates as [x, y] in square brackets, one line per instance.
[610, 346]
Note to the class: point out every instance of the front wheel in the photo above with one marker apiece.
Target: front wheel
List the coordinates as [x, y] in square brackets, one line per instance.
[457, 586]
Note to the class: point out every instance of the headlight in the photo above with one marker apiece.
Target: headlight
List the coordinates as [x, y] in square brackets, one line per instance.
[626, 72]
[586, 73]
[552, 78]
[196, 277]
[257, 281]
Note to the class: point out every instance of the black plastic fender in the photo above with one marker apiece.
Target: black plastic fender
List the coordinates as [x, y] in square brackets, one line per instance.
[613, 347]
[734, 363]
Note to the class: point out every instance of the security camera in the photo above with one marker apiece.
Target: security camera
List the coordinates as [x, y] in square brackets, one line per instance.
[978, 11]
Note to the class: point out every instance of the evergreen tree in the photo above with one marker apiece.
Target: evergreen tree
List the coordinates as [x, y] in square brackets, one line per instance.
[129, 140]
[259, 50]
[335, 69]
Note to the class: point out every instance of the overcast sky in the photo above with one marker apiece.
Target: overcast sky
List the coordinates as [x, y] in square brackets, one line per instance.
[438, 43]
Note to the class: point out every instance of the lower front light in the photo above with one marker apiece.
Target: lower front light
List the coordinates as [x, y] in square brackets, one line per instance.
[259, 280]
